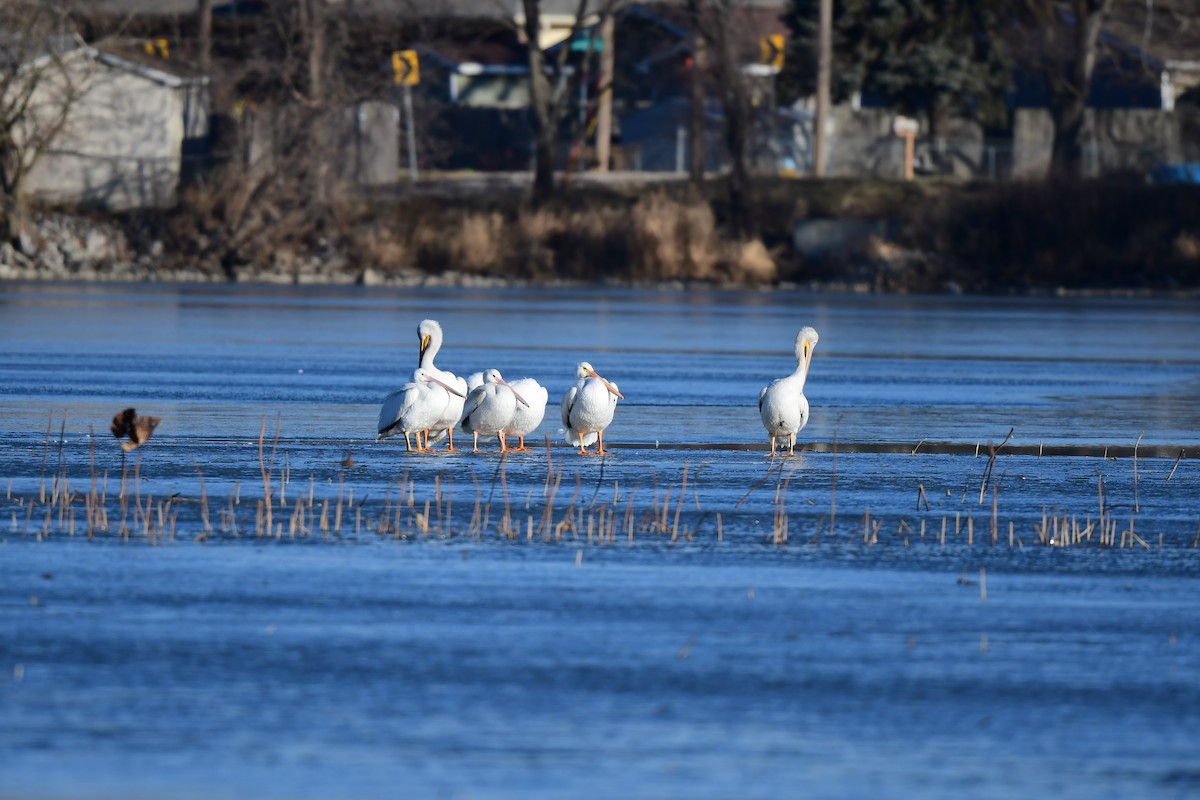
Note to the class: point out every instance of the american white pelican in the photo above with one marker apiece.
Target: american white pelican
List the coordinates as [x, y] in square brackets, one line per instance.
[782, 405]
[489, 408]
[415, 407]
[530, 415]
[474, 381]
[587, 408]
[429, 334]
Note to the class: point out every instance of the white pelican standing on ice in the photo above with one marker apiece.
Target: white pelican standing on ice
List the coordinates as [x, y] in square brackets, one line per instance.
[415, 407]
[782, 405]
[530, 415]
[587, 408]
[489, 409]
[429, 334]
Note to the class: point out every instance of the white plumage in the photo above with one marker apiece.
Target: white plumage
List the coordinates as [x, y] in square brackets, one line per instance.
[529, 416]
[414, 407]
[588, 407]
[489, 408]
[782, 404]
[429, 335]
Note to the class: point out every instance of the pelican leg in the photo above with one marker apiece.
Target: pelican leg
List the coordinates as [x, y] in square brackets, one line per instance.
[771, 454]
[521, 448]
[408, 442]
[475, 449]
[791, 444]
[582, 449]
[500, 439]
[600, 443]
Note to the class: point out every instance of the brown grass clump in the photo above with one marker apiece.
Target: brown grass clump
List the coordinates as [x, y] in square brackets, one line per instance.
[673, 240]
[383, 248]
[751, 263]
[535, 232]
[479, 243]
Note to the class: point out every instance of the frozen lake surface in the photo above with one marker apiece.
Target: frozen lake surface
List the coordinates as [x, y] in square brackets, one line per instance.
[890, 613]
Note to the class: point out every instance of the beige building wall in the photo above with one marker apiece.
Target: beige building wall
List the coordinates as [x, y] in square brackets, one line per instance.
[121, 145]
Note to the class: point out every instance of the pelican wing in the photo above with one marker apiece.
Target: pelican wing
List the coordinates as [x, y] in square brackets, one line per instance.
[395, 405]
[471, 405]
[568, 402]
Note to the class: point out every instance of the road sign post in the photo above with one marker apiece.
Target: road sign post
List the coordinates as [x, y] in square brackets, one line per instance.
[906, 128]
[406, 72]
[770, 51]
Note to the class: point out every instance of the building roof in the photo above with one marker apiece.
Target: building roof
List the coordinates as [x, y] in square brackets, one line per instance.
[488, 9]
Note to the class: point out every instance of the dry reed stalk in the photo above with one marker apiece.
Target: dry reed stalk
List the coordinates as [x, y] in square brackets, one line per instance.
[311, 489]
[337, 517]
[285, 477]
[232, 525]
[719, 532]
[833, 481]
[1174, 467]
[921, 496]
[679, 503]
[991, 465]
[203, 498]
[45, 458]
[473, 525]
[1137, 444]
[266, 469]
[982, 586]
[61, 473]
[629, 514]
[995, 524]
[970, 531]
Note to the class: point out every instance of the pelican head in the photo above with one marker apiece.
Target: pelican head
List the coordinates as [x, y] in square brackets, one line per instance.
[806, 342]
[422, 375]
[585, 371]
[429, 334]
[493, 376]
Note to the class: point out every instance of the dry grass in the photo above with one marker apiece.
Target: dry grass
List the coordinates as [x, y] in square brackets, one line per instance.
[673, 240]
[479, 243]
[552, 509]
[383, 248]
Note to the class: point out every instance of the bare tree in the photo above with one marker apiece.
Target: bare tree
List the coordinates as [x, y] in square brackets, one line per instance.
[271, 194]
[41, 77]
[545, 98]
[1065, 56]
[724, 47]
[549, 87]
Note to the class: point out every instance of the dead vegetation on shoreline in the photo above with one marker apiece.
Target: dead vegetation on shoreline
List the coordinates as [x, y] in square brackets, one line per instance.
[1107, 236]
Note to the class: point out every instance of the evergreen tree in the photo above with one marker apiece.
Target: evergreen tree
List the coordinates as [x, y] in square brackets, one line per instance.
[932, 58]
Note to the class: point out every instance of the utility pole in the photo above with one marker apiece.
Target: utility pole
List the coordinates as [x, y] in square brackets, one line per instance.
[699, 65]
[824, 70]
[604, 110]
[205, 35]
